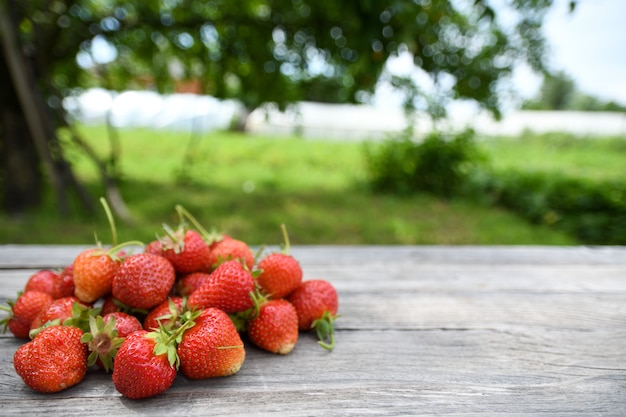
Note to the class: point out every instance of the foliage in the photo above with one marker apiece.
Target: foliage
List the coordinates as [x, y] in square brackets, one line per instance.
[559, 92]
[592, 211]
[281, 50]
[440, 164]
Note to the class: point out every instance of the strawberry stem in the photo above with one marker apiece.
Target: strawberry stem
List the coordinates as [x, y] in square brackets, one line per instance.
[183, 213]
[115, 249]
[109, 214]
[325, 329]
[286, 238]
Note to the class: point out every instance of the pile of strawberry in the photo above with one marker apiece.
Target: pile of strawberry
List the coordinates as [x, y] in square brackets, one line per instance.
[182, 303]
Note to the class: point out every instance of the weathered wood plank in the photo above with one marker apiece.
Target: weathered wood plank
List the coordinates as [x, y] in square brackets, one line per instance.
[381, 373]
[47, 256]
[423, 330]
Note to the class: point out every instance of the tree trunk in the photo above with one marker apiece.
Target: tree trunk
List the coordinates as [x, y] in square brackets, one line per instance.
[20, 175]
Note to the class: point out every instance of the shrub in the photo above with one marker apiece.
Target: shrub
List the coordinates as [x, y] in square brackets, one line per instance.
[592, 211]
[440, 164]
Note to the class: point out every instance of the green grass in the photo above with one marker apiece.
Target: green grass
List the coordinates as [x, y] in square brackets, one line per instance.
[247, 185]
[598, 158]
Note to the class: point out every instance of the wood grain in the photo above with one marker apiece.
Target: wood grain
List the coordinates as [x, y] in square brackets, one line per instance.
[423, 330]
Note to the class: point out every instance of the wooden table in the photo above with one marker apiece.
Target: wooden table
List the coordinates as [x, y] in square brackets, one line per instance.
[423, 331]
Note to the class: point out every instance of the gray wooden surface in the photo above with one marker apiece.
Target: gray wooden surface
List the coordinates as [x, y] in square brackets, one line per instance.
[423, 331]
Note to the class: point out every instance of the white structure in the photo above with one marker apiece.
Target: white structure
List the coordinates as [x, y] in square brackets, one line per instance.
[188, 112]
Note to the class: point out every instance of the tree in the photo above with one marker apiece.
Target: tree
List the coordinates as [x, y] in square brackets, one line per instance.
[256, 51]
[556, 93]
[559, 92]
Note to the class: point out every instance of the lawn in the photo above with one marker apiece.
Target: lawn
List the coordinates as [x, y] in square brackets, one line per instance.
[247, 186]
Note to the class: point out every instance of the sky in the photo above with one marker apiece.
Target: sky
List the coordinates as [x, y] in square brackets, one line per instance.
[589, 46]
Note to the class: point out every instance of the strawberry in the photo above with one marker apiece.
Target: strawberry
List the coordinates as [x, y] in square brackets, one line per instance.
[57, 285]
[227, 288]
[316, 302]
[61, 309]
[125, 324]
[23, 312]
[94, 270]
[165, 314]
[231, 249]
[154, 248]
[110, 305]
[54, 360]
[275, 328]
[143, 280]
[64, 285]
[187, 251]
[190, 282]
[42, 280]
[280, 275]
[212, 347]
[280, 272]
[145, 365]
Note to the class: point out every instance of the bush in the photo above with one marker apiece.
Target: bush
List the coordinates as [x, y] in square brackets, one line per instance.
[592, 211]
[440, 164]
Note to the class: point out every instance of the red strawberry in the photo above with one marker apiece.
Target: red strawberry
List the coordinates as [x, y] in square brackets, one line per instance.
[154, 248]
[23, 312]
[191, 282]
[211, 348]
[94, 270]
[187, 251]
[42, 280]
[106, 335]
[280, 272]
[110, 305]
[227, 288]
[60, 309]
[165, 313]
[316, 302]
[64, 285]
[143, 280]
[145, 365]
[57, 285]
[275, 328]
[280, 275]
[125, 324]
[231, 249]
[54, 360]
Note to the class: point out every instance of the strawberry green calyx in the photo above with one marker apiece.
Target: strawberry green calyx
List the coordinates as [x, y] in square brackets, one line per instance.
[165, 344]
[9, 309]
[179, 318]
[102, 341]
[168, 337]
[167, 341]
[325, 329]
[81, 316]
[34, 332]
[173, 239]
[241, 318]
